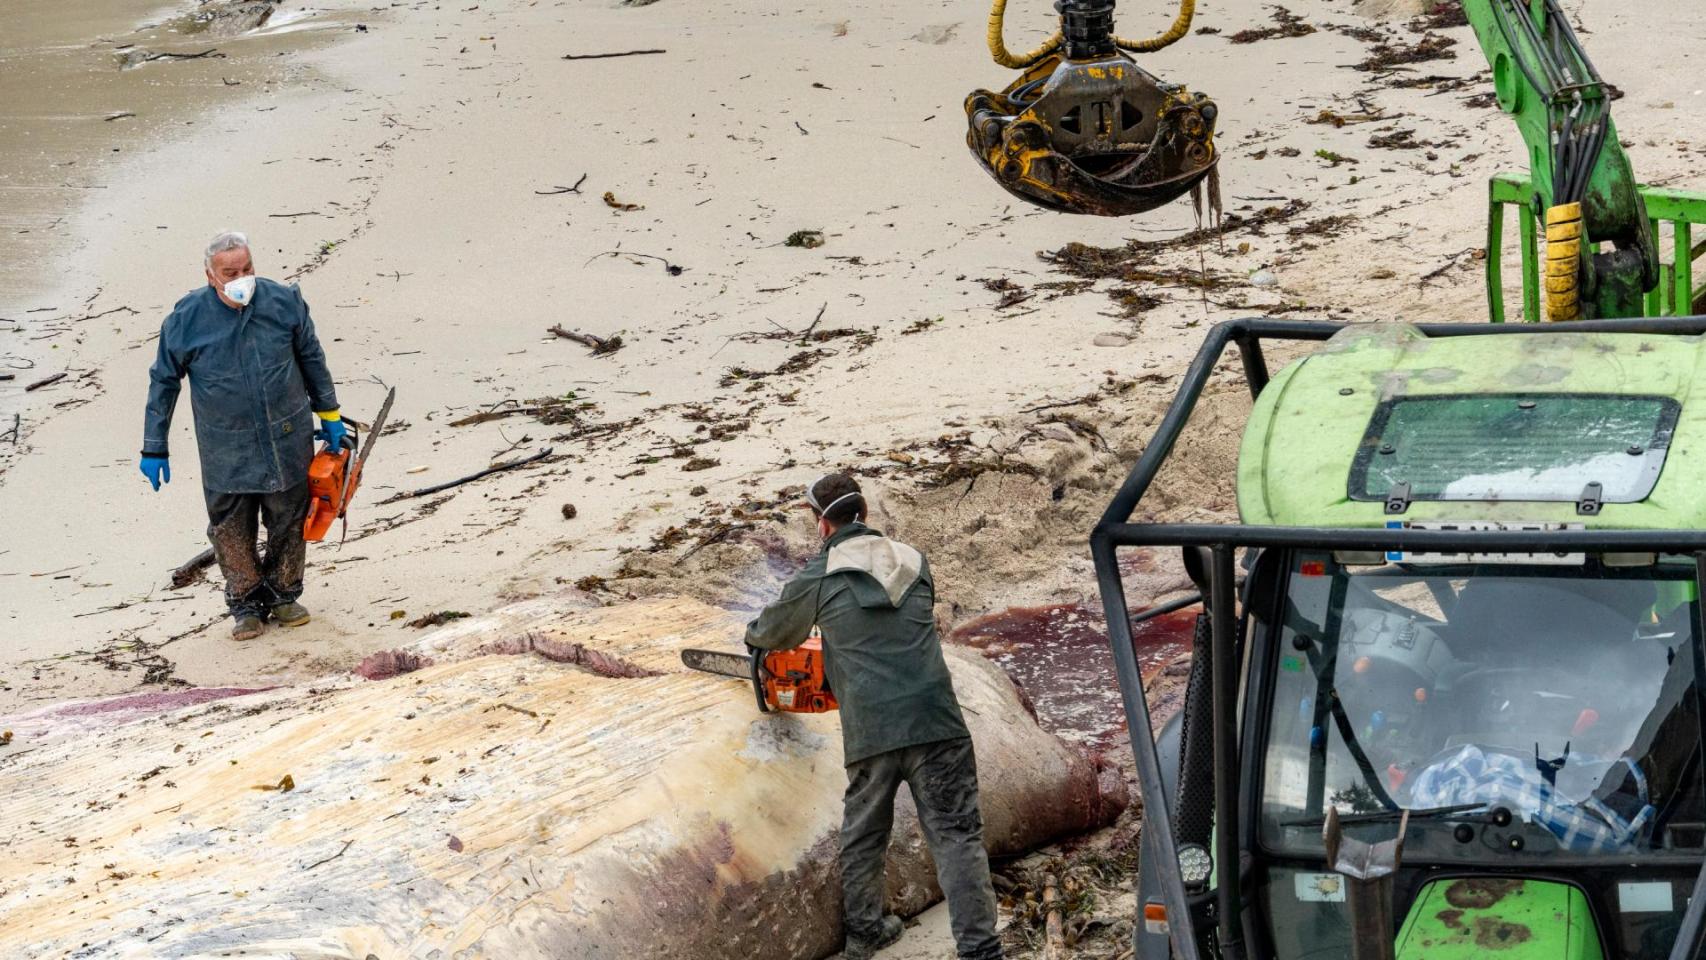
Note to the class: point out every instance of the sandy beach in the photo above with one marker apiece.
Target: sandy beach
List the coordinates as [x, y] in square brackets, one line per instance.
[446, 188]
[410, 177]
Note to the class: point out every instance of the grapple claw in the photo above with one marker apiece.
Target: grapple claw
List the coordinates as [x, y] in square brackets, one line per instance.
[1097, 135]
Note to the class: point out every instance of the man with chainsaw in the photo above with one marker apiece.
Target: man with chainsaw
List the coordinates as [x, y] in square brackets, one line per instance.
[258, 378]
[874, 601]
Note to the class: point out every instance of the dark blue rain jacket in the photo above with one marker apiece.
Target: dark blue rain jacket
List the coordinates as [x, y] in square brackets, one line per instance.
[256, 377]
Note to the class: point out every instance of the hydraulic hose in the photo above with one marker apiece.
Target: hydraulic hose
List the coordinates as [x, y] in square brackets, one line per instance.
[1006, 58]
[1563, 262]
[998, 44]
[1176, 32]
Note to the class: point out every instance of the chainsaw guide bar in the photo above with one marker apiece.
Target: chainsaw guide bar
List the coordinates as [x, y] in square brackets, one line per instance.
[717, 662]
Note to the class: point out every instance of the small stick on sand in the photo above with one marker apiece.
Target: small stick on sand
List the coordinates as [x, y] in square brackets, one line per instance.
[212, 52]
[718, 535]
[329, 859]
[474, 418]
[499, 468]
[186, 574]
[600, 345]
[45, 382]
[674, 270]
[606, 56]
[556, 191]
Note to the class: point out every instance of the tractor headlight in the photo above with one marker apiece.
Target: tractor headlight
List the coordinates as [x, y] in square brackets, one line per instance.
[1195, 865]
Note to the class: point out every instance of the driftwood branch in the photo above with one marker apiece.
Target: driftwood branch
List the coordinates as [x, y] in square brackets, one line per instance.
[815, 320]
[498, 468]
[487, 415]
[97, 316]
[334, 856]
[187, 574]
[1054, 936]
[554, 191]
[45, 382]
[600, 345]
[12, 434]
[721, 533]
[1087, 398]
[606, 56]
[211, 52]
[596, 430]
[674, 270]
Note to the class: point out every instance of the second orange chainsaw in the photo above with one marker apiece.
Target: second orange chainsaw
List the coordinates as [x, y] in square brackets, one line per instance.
[784, 681]
[333, 476]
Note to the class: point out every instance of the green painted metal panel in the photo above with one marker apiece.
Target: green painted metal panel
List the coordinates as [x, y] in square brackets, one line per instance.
[1675, 294]
[1654, 303]
[1667, 204]
[1495, 263]
[1476, 917]
[1297, 453]
[1530, 277]
[1684, 269]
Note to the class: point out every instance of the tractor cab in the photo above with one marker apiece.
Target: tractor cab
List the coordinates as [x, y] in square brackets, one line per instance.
[1446, 698]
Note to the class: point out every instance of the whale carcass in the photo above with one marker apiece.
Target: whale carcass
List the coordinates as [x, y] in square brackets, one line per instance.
[546, 782]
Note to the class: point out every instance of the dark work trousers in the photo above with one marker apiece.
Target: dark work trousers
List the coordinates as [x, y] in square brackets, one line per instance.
[253, 584]
[943, 779]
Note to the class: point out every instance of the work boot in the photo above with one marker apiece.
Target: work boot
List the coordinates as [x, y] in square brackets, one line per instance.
[860, 949]
[290, 614]
[247, 627]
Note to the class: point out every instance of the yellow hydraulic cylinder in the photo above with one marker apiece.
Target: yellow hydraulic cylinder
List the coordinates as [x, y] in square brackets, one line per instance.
[1564, 262]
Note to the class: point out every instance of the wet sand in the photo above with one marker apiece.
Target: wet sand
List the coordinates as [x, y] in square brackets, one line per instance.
[72, 114]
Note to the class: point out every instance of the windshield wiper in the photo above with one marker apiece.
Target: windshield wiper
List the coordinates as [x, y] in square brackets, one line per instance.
[1390, 816]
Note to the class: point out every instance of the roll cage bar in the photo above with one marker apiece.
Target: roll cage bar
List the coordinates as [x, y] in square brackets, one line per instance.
[1115, 530]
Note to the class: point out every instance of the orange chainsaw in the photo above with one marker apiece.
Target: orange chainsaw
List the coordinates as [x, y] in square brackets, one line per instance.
[333, 476]
[785, 681]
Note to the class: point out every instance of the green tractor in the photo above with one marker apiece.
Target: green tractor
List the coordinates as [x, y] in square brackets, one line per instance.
[1447, 698]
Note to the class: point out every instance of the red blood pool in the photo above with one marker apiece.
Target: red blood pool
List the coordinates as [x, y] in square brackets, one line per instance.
[1060, 656]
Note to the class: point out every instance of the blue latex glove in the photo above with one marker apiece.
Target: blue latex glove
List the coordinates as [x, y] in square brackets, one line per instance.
[157, 470]
[331, 431]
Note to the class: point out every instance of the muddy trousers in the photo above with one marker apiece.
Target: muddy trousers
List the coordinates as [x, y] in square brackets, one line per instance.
[255, 584]
[943, 779]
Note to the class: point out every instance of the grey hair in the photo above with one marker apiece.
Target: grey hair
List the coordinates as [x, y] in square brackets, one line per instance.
[222, 241]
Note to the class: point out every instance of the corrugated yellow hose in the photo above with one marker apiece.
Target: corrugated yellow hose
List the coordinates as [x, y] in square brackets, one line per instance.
[1176, 32]
[998, 43]
[1006, 58]
[1564, 262]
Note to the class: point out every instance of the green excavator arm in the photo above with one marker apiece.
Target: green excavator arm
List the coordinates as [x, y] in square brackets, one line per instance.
[1602, 258]
[1603, 230]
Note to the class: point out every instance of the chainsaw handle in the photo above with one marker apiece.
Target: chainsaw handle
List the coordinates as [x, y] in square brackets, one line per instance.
[758, 671]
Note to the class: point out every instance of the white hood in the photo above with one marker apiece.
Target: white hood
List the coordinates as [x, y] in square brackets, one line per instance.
[894, 565]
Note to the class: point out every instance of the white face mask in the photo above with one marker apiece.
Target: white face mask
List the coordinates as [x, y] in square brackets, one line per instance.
[241, 290]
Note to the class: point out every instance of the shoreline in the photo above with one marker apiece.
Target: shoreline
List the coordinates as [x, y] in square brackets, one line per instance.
[52, 286]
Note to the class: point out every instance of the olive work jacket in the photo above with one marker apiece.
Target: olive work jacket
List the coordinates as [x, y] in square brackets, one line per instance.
[874, 601]
[256, 376]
